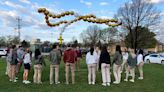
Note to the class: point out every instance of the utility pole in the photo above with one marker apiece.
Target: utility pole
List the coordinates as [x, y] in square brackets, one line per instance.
[19, 26]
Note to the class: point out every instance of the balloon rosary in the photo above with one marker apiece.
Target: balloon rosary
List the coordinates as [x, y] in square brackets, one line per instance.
[87, 18]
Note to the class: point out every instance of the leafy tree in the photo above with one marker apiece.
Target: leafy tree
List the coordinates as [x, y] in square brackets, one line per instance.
[2, 41]
[145, 38]
[25, 44]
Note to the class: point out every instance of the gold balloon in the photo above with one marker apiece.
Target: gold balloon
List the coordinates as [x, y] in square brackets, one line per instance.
[54, 16]
[88, 18]
[58, 16]
[46, 12]
[40, 10]
[47, 21]
[50, 15]
[72, 13]
[46, 17]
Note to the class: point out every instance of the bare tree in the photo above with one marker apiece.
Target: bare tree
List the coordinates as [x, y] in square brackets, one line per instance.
[91, 35]
[137, 13]
[109, 35]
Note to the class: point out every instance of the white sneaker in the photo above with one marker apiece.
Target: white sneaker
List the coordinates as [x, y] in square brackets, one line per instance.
[103, 84]
[27, 82]
[10, 80]
[51, 83]
[15, 80]
[90, 83]
[67, 83]
[39, 83]
[93, 83]
[115, 82]
[126, 80]
[140, 78]
[6, 73]
[108, 84]
[23, 81]
[57, 82]
[131, 80]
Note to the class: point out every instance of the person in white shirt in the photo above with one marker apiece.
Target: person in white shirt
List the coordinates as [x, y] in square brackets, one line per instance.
[140, 63]
[27, 65]
[91, 60]
[124, 63]
[98, 52]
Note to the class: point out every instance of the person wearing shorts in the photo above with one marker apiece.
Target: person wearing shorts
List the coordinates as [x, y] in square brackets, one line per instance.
[27, 66]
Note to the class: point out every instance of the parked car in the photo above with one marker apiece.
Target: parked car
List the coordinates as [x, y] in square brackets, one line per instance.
[154, 58]
[161, 53]
[3, 52]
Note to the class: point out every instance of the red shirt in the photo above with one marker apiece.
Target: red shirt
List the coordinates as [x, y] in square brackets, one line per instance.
[79, 54]
[69, 56]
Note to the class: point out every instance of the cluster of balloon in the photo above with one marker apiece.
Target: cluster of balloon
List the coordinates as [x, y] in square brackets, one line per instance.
[87, 18]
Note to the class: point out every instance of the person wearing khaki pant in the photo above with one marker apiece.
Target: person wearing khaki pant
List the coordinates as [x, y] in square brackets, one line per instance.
[69, 59]
[130, 70]
[117, 73]
[105, 69]
[140, 64]
[37, 73]
[105, 66]
[13, 64]
[132, 62]
[117, 61]
[54, 68]
[39, 61]
[12, 72]
[72, 67]
[91, 73]
[55, 58]
[91, 60]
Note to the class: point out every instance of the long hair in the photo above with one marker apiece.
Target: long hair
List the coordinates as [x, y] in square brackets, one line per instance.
[91, 50]
[104, 49]
[118, 48]
[140, 51]
[37, 53]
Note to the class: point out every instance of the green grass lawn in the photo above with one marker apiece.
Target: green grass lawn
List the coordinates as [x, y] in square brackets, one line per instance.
[153, 82]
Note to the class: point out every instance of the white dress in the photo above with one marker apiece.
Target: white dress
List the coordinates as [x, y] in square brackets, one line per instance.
[139, 59]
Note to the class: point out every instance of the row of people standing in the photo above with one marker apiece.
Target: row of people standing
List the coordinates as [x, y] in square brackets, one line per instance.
[18, 56]
[130, 59]
[93, 57]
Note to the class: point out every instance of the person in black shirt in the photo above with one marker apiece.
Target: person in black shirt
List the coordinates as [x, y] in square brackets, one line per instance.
[105, 66]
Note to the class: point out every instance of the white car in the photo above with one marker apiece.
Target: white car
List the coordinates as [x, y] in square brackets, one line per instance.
[3, 52]
[154, 58]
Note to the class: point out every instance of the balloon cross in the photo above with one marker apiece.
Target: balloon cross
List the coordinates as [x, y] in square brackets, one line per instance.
[60, 39]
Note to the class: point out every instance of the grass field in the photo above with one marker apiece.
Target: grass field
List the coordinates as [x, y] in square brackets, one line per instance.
[153, 82]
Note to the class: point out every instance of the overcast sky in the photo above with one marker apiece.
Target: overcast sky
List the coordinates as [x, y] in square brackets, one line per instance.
[34, 26]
